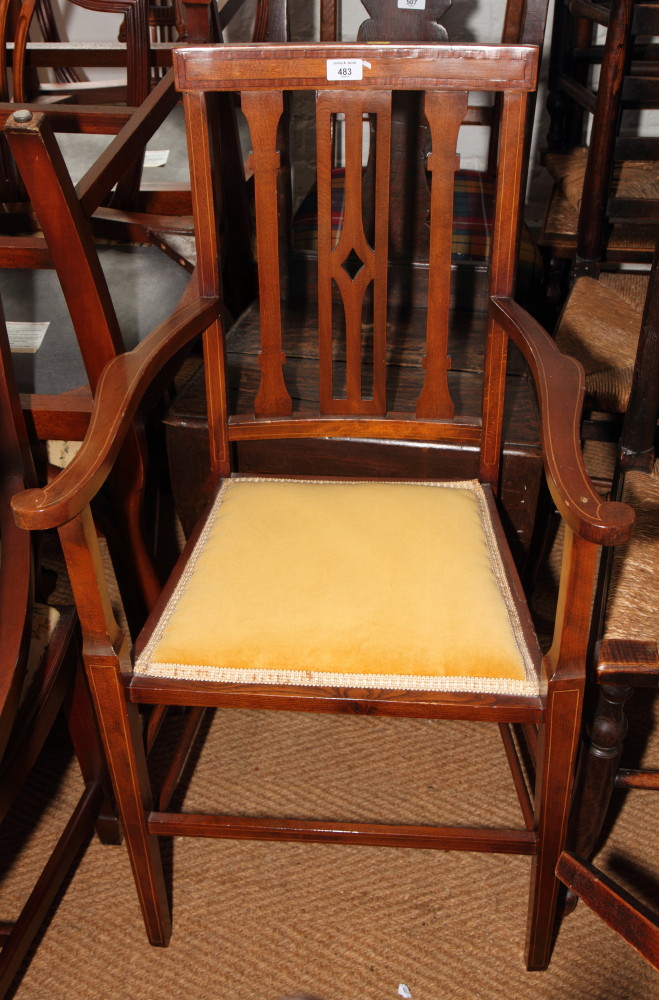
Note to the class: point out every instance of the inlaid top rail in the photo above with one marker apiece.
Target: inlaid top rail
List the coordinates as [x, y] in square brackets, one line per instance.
[391, 67]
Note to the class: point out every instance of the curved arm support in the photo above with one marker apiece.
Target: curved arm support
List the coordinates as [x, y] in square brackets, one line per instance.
[559, 382]
[121, 388]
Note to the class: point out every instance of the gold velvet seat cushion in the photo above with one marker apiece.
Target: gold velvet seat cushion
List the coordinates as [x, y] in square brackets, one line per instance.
[387, 585]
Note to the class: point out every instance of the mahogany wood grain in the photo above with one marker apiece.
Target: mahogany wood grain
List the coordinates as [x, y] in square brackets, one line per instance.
[445, 113]
[502, 272]
[629, 778]
[559, 739]
[578, 501]
[87, 121]
[513, 68]
[121, 388]
[263, 118]
[368, 834]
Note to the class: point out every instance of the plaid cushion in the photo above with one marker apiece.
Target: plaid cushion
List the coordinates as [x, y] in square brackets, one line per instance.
[473, 210]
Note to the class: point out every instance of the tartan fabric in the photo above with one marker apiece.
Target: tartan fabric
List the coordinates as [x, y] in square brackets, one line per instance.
[473, 211]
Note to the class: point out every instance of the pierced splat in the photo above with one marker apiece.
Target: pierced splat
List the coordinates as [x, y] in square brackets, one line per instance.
[417, 21]
[355, 266]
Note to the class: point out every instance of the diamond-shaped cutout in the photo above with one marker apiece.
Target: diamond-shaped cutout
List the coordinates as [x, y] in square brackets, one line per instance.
[353, 264]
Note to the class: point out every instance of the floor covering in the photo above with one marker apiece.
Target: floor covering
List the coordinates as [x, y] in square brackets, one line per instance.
[329, 922]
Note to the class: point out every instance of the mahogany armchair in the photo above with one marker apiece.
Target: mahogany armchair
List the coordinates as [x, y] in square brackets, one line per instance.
[40, 676]
[397, 598]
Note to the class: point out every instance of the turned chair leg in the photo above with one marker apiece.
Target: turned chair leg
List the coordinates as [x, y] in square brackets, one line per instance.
[596, 773]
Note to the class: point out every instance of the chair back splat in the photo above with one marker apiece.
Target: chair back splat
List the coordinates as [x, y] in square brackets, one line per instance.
[352, 275]
[362, 594]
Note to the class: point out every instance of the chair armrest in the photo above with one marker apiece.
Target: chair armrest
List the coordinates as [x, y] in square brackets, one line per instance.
[560, 386]
[121, 388]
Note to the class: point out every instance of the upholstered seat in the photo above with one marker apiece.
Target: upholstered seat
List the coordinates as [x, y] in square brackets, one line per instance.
[401, 582]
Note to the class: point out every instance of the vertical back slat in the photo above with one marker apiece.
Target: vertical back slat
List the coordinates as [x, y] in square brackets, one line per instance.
[505, 240]
[445, 113]
[207, 206]
[263, 111]
[353, 244]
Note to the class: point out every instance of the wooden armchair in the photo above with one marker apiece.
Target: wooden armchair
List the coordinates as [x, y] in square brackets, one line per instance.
[626, 653]
[362, 594]
[40, 676]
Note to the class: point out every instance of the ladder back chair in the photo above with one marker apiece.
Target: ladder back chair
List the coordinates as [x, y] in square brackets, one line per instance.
[625, 655]
[605, 177]
[355, 595]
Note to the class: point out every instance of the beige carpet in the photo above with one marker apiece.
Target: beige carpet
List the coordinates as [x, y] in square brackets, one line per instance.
[258, 920]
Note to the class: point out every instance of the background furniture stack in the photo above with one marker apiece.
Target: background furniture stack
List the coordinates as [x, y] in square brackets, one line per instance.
[604, 165]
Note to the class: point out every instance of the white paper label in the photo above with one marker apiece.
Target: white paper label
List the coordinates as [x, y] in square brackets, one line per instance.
[156, 157]
[26, 338]
[412, 4]
[346, 69]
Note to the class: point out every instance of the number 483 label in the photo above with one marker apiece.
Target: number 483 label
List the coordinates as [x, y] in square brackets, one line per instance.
[346, 69]
[412, 4]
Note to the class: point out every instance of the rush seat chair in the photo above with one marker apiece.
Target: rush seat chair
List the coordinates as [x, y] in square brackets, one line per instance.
[625, 655]
[358, 595]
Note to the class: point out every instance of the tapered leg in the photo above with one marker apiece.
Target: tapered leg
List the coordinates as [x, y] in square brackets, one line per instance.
[105, 656]
[87, 744]
[122, 739]
[556, 759]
